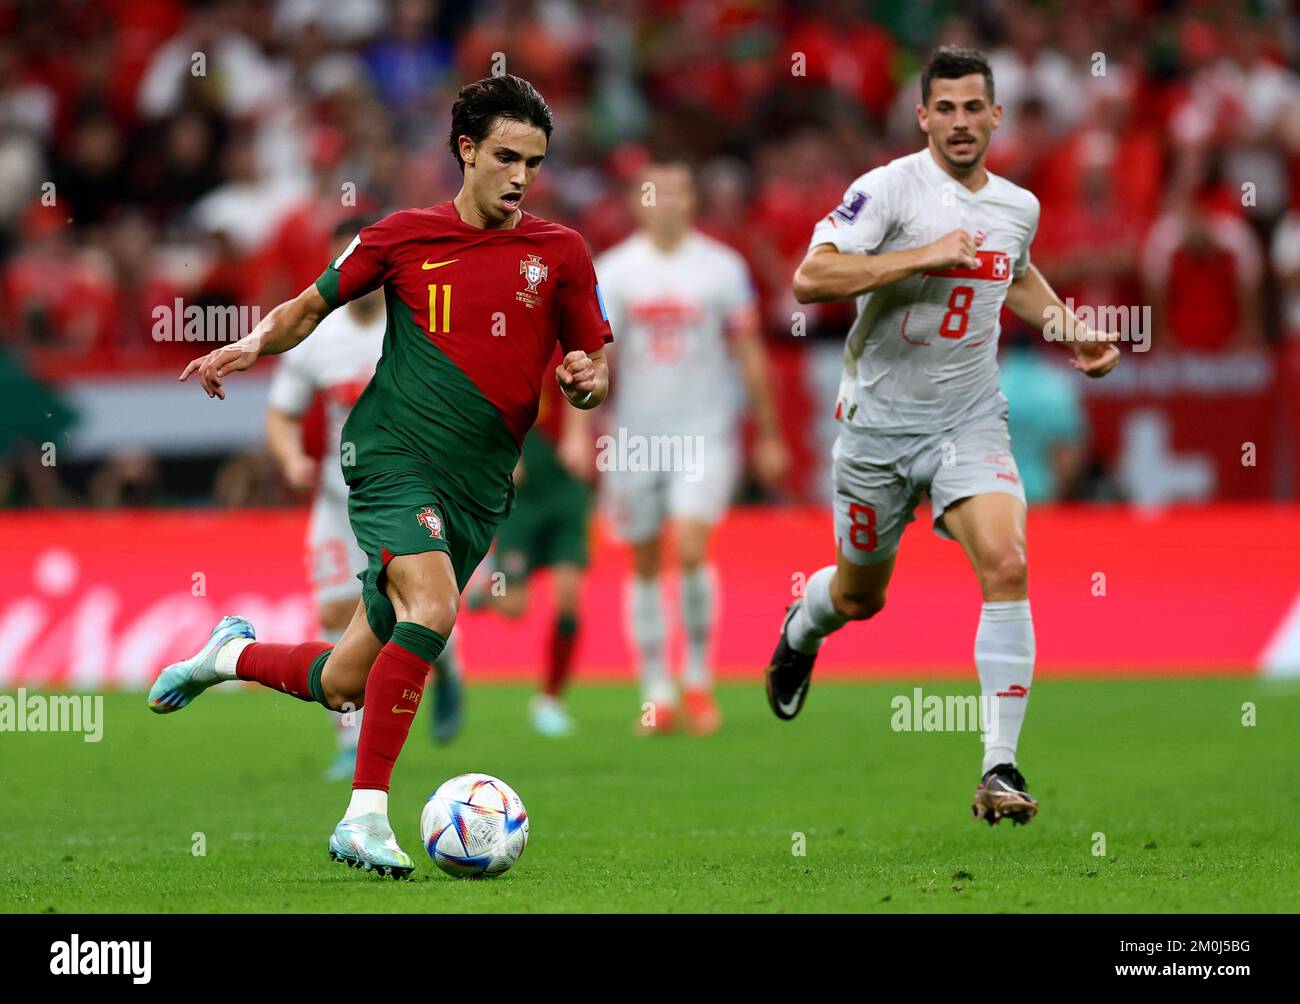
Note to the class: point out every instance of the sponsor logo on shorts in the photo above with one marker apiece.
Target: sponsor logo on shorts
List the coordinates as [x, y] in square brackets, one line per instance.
[1004, 460]
[431, 521]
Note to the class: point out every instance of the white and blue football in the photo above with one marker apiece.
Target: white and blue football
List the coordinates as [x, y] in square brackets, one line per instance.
[474, 825]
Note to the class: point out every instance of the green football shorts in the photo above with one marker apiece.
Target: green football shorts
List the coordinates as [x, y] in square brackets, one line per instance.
[548, 526]
[400, 512]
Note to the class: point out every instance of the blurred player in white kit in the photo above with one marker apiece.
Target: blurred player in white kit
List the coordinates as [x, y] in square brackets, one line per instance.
[338, 362]
[689, 346]
[932, 245]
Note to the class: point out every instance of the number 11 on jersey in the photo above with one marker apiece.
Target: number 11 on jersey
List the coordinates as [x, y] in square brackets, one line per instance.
[433, 307]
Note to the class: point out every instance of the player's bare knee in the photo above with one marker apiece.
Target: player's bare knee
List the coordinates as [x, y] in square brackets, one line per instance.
[691, 559]
[692, 551]
[645, 560]
[434, 612]
[566, 589]
[1005, 576]
[346, 695]
[336, 615]
[860, 605]
[343, 677]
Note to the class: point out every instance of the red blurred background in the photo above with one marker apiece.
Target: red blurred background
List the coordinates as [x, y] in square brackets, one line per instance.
[1162, 139]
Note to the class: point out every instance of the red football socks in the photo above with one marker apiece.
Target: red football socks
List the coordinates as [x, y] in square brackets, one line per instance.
[564, 639]
[286, 668]
[393, 692]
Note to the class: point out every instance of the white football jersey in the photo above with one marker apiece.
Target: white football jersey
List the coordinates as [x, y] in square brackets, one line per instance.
[337, 360]
[669, 312]
[922, 353]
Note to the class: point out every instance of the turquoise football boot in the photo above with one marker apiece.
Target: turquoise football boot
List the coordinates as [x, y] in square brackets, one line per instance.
[549, 717]
[183, 681]
[343, 767]
[368, 842]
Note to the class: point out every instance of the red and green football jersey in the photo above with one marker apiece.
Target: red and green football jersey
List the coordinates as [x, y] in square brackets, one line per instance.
[473, 319]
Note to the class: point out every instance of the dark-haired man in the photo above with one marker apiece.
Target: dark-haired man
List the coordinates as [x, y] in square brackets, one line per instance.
[478, 293]
[932, 246]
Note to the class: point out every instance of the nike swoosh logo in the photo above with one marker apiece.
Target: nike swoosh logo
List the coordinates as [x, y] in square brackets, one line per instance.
[403, 711]
[788, 707]
[438, 264]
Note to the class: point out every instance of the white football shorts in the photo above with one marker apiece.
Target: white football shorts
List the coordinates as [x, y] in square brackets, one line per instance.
[334, 560]
[878, 479]
[698, 486]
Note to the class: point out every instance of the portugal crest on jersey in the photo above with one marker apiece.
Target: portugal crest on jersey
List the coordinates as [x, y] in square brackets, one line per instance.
[534, 271]
[431, 521]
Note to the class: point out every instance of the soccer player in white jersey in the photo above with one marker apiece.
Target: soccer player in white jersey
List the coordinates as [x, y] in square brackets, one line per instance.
[689, 347]
[932, 246]
[338, 363]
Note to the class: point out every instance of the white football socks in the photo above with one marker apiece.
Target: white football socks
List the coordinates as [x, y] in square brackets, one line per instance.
[645, 609]
[367, 800]
[816, 617]
[699, 610]
[228, 658]
[1004, 656]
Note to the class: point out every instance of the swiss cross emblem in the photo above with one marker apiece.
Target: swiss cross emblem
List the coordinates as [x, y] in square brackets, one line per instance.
[431, 521]
[534, 271]
[1000, 267]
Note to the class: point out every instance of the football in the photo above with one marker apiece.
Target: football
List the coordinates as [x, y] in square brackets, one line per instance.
[474, 825]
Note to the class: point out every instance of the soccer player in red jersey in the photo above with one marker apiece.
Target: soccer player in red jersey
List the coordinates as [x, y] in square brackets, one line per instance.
[478, 293]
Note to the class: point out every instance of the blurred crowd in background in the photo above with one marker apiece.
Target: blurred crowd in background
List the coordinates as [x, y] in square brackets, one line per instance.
[1162, 139]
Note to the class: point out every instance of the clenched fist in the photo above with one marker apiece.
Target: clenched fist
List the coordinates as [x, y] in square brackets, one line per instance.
[953, 250]
[577, 375]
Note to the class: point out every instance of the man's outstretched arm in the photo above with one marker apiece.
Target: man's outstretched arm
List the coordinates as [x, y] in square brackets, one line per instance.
[279, 331]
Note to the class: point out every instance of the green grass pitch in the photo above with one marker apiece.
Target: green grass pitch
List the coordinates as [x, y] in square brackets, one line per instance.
[1199, 812]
